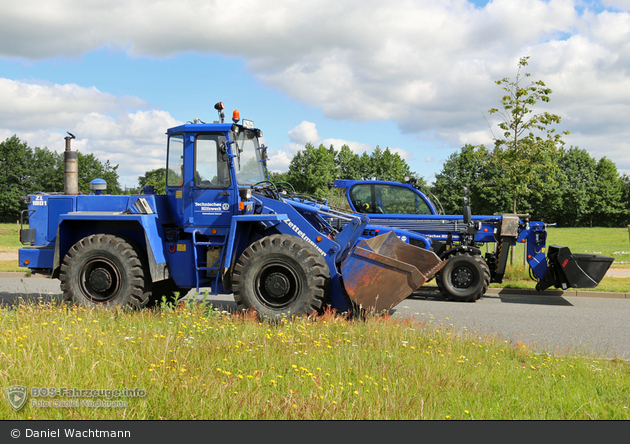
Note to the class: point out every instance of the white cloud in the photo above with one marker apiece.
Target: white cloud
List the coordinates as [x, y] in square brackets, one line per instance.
[304, 133]
[618, 4]
[107, 126]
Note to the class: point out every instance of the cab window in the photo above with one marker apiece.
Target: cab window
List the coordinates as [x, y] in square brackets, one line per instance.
[175, 161]
[211, 161]
[387, 199]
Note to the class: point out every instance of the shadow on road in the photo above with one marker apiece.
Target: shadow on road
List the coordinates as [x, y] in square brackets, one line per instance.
[533, 300]
[504, 298]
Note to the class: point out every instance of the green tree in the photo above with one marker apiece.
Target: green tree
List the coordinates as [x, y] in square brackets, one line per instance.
[155, 178]
[386, 165]
[311, 170]
[579, 174]
[15, 176]
[470, 167]
[607, 204]
[24, 170]
[528, 145]
[349, 165]
[91, 168]
[45, 171]
[625, 198]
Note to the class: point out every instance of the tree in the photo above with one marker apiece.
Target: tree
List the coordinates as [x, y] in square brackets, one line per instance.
[91, 168]
[527, 145]
[469, 168]
[607, 205]
[579, 174]
[385, 165]
[625, 198]
[15, 176]
[311, 170]
[45, 171]
[155, 178]
[349, 165]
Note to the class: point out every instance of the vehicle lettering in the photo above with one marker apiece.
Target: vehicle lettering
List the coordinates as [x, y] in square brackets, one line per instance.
[212, 207]
[303, 236]
[367, 232]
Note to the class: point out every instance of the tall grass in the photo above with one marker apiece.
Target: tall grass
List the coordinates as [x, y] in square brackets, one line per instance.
[198, 363]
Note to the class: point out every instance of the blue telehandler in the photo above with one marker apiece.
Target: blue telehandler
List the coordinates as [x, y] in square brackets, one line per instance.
[221, 225]
[456, 239]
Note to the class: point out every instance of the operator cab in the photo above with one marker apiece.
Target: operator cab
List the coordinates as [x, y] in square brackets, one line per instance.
[207, 165]
[375, 197]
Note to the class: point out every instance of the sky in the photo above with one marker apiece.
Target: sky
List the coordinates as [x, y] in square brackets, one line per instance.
[416, 76]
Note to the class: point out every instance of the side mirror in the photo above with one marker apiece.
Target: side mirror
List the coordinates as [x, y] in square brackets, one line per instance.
[263, 155]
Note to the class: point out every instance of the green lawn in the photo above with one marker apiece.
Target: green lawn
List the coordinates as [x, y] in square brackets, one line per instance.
[192, 362]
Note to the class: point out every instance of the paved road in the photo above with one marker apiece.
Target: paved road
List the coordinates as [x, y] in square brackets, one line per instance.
[555, 324]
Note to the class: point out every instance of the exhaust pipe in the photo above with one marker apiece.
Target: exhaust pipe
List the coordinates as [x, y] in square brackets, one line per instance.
[71, 168]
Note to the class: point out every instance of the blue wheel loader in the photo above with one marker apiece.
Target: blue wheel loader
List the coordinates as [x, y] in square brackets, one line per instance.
[221, 225]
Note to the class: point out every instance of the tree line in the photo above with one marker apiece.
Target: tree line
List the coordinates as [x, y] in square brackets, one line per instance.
[583, 191]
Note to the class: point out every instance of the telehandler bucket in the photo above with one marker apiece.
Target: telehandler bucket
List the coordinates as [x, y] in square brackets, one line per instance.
[382, 271]
[573, 270]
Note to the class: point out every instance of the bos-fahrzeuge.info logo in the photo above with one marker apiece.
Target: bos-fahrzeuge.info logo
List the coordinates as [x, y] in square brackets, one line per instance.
[17, 396]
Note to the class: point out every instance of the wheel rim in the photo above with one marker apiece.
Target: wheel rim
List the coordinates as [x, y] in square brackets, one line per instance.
[99, 279]
[462, 277]
[277, 285]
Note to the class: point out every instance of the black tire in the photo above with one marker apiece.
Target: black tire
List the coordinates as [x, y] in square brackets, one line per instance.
[281, 275]
[105, 270]
[464, 278]
[486, 275]
[165, 291]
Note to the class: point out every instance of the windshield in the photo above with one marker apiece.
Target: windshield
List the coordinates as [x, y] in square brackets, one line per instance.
[249, 170]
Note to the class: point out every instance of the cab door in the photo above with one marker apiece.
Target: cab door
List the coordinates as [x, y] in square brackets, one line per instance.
[213, 198]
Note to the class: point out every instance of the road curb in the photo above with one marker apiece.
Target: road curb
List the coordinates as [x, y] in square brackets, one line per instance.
[566, 293]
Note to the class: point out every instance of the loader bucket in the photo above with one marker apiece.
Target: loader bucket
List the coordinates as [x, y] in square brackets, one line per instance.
[381, 272]
[573, 270]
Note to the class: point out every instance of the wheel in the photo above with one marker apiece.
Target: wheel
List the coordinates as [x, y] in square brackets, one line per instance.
[103, 269]
[165, 290]
[281, 275]
[464, 278]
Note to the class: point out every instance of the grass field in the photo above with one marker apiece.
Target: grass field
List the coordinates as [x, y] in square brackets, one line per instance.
[613, 242]
[197, 363]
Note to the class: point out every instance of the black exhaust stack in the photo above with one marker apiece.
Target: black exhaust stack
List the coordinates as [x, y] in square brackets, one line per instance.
[71, 168]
